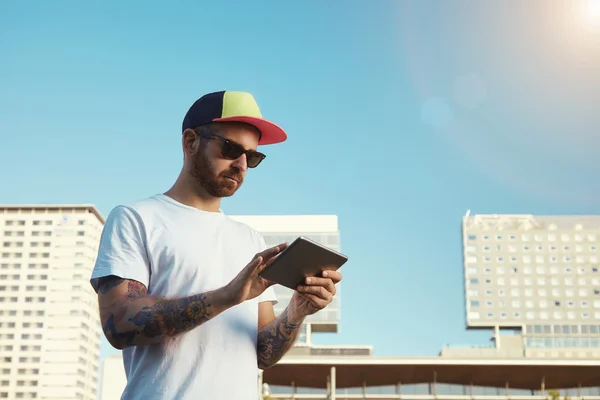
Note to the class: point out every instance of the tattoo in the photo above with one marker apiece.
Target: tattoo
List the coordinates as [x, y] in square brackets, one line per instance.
[275, 339]
[105, 284]
[135, 289]
[170, 317]
[111, 329]
[132, 318]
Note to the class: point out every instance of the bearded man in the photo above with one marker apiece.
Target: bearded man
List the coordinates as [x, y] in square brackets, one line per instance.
[178, 281]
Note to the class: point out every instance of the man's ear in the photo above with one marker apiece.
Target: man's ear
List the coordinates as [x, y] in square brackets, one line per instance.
[190, 142]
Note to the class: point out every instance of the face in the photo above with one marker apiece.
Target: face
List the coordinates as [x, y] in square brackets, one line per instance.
[215, 174]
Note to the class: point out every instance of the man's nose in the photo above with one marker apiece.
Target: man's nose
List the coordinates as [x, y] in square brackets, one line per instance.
[241, 162]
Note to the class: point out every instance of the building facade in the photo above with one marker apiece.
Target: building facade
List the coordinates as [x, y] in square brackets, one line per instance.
[49, 328]
[537, 275]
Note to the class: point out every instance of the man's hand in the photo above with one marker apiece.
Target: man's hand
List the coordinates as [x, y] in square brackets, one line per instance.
[314, 295]
[247, 284]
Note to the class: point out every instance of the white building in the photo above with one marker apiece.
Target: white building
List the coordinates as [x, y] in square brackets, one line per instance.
[538, 275]
[49, 328]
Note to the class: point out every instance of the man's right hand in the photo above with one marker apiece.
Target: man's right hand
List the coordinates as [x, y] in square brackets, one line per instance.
[248, 284]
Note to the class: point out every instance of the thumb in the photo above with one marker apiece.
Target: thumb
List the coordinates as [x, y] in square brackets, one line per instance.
[268, 283]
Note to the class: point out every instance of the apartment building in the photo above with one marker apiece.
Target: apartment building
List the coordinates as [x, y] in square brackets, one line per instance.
[49, 329]
[538, 276]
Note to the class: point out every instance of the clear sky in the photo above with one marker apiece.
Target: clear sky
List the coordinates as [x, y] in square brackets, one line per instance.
[401, 116]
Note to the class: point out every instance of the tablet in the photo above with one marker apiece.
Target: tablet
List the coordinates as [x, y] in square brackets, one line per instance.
[303, 258]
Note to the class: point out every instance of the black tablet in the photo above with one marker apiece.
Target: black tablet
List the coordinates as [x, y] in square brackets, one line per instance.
[302, 259]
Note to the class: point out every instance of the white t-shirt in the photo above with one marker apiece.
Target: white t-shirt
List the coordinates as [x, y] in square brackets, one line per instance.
[177, 250]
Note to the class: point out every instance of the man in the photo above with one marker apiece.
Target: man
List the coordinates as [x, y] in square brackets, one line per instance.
[177, 280]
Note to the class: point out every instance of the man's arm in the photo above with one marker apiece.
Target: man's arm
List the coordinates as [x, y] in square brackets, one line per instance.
[130, 318]
[276, 336]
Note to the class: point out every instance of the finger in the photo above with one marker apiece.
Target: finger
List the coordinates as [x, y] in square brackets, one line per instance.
[255, 264]
[325, 282]
[267, 283]
[318, 291]
[273, 251]
[335, 276]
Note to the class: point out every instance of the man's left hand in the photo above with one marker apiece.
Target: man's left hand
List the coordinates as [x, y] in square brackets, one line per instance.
[315, 294]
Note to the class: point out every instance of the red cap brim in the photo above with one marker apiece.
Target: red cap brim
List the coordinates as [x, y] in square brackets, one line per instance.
[270, 133]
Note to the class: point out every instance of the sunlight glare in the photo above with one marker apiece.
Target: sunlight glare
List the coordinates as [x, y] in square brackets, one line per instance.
[593, 11]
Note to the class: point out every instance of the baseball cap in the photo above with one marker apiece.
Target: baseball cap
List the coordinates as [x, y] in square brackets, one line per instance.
[232, 106]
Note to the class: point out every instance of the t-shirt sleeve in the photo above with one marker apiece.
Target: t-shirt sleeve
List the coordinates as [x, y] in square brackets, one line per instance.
[269, 294]
[122, 249]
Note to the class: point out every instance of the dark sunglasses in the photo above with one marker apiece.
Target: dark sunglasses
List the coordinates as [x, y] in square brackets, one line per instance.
[232, 150]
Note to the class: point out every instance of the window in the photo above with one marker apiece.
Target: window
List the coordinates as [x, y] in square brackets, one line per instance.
[557, 315]
[530, 315]
[529, 304]
[539, 259]
[540, 270]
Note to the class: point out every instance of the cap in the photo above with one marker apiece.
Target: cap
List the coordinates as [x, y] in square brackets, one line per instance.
[229, 106]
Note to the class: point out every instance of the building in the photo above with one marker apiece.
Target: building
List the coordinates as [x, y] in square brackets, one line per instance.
[49, 328]
[538, 276]
[112, 378]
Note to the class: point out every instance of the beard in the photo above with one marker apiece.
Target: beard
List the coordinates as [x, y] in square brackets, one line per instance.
[217, 185]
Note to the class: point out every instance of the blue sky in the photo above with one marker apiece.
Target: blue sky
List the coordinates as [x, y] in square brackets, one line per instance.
[401, 116]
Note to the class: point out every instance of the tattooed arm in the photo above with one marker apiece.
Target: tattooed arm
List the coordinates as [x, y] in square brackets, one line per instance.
[130, 318]
[277, 336]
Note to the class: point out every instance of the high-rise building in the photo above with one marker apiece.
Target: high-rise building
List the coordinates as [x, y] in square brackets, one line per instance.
[323, 229]
[49, 328]
[539, 275]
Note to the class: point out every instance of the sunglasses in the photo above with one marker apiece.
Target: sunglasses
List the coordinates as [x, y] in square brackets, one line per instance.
[232, 150]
